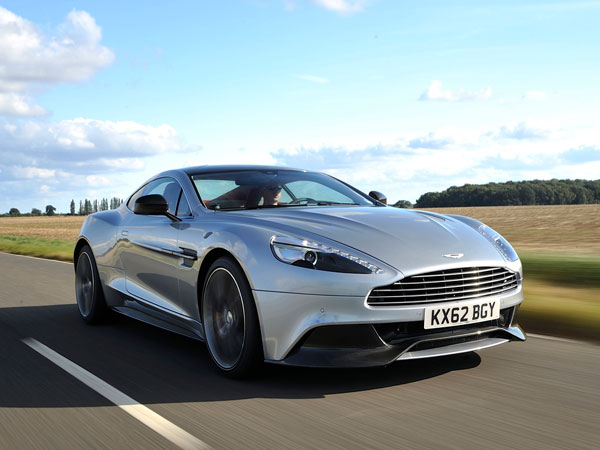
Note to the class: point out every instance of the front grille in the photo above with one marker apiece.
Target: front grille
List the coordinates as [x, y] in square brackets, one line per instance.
[445, 285]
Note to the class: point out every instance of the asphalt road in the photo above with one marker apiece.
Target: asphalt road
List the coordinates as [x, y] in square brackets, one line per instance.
[541, 394]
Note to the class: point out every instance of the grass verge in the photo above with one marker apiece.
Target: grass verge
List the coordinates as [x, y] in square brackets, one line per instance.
[560, 311]
[562, 269]
[42, 248]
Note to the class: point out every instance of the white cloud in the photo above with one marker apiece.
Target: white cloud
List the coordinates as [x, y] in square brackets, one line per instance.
[522, 131]
[435, 92]
[97, 180]
[312, 78]
[535, 95]
[29, 59]
[85, 139]
[16, 104]
[80, 158]
[123, 163]
[432, 141]
[72, 154]
[342, 6]
[33, 172]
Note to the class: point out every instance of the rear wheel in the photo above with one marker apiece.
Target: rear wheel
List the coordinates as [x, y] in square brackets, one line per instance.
[230, 320]
[90, 298]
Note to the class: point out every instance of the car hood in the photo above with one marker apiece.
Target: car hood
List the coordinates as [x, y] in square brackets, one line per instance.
[408, 240]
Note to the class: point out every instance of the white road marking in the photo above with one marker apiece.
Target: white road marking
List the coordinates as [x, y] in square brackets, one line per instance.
[36, 257]
[162, 426]
[554, 338]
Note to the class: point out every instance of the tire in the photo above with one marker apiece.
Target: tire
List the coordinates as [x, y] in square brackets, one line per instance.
[230, 320]
[88, 289]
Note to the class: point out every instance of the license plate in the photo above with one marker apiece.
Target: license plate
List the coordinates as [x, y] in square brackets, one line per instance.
[453, 314]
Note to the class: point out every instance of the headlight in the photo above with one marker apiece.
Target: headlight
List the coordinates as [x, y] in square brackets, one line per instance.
[313, 255]
[499, 242]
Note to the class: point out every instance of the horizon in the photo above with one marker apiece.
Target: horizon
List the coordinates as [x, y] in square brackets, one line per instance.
[391, 202]
[400, 98]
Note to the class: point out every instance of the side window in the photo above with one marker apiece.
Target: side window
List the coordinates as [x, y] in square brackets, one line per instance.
[168, 188]
[183, 209]
[134, 197]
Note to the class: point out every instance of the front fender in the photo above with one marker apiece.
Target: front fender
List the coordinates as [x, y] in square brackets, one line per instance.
[100, 231]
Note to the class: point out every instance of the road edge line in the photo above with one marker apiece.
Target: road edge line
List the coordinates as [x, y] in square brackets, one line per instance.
[36, 257]
[152, 420]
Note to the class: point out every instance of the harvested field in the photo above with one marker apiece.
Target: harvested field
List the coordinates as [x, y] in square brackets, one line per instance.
[573, 229]
[64, 228]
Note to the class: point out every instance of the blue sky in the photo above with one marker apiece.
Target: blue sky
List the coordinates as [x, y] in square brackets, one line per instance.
[397, 96]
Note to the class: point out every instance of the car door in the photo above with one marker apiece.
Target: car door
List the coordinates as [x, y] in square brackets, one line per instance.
[191, 235]
[148, 253]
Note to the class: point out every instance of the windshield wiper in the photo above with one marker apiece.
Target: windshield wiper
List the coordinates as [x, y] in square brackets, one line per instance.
[287, 205]
[323, 203]
[269, 206]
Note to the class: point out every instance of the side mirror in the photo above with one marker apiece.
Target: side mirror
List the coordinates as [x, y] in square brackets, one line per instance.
[378, 196]
[153, 205]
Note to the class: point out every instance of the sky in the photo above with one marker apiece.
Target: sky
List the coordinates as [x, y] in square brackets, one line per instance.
[402, 97]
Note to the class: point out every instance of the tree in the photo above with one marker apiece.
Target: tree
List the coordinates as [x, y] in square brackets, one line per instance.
[527, 195]
[80, 208]
[95, 207]
[535, 192]
[50, 210]
[36, 212]
[14, 212]
[115, 202]
[72, 208]
[403, 204]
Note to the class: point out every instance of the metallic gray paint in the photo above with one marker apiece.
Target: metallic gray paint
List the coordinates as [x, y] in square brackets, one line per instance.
[150, 266]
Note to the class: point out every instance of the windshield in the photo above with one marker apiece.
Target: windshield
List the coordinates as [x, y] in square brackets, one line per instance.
[257, 189]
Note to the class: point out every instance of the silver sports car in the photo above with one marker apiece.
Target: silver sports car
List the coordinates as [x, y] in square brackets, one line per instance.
[295, 267]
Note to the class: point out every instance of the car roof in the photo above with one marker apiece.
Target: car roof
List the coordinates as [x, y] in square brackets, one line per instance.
[233, 168]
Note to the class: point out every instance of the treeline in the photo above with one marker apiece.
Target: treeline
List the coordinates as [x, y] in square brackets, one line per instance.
[89, 207]
[14, 212]
[536, 192]
[86, 207]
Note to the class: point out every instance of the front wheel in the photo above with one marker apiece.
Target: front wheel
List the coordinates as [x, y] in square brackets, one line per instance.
[230, 320]
[90, 298]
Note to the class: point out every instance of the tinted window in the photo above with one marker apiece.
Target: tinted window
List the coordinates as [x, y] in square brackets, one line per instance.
[251, 189]
[183, 209]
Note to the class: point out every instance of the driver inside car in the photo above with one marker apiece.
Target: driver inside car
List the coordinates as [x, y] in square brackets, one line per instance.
[271, 195]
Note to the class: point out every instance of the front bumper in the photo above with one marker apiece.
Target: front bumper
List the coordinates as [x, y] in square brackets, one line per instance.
[342, 331]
